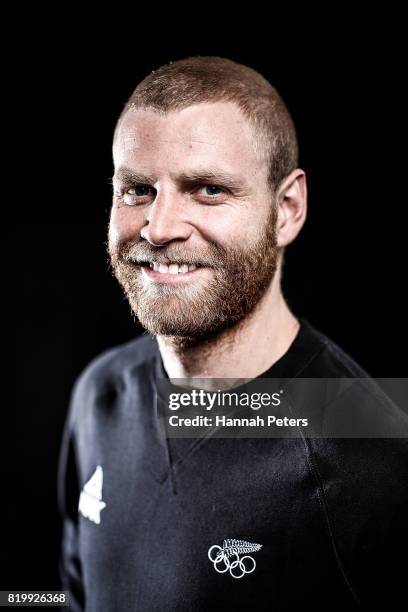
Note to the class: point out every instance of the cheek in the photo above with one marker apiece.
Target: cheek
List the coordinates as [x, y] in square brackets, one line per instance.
[125, 223]
[228, 225]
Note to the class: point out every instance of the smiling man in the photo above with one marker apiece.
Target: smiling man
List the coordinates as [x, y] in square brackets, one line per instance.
[198, 224]
[207, 194]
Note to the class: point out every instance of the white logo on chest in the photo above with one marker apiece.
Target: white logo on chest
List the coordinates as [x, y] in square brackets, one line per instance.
[227, 557]
[90, 501]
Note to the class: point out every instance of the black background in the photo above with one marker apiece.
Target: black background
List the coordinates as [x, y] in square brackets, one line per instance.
[345, 273]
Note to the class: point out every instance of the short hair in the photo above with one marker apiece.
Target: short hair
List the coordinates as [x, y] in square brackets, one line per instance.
[199, 79]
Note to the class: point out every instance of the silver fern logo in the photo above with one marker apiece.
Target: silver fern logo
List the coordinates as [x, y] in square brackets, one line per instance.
[227, 557]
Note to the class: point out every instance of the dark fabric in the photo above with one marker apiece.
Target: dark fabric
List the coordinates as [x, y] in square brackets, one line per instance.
[330, 514]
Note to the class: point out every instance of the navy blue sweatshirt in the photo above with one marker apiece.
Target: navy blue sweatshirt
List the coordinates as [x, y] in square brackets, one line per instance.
[152, 524]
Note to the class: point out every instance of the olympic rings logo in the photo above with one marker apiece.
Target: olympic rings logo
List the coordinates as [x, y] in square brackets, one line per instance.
[222, 561]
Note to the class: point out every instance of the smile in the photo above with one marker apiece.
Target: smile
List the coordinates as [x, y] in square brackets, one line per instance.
[172, 273]
[172, 268]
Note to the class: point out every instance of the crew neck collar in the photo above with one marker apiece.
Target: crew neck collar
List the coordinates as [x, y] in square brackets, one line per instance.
[303, 349]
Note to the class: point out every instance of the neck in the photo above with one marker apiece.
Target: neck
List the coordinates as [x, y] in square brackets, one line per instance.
[243, 352]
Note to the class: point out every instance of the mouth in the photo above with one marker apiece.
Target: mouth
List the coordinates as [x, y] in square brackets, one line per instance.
[171, 268]
[171, 272]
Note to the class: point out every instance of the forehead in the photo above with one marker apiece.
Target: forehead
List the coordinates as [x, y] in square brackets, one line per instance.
[204, 133]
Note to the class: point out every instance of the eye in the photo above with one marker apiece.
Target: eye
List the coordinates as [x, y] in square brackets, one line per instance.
[212, 190]
[137, 194]
[139, 190]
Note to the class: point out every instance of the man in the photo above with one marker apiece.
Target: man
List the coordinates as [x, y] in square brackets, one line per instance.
[207, 193]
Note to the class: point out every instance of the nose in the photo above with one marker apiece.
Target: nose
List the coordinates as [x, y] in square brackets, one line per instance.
[165, 219]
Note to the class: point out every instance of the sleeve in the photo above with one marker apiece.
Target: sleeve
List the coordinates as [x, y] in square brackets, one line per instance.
[68, 494]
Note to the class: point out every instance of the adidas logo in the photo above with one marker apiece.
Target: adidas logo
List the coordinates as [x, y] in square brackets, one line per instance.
[90, 501]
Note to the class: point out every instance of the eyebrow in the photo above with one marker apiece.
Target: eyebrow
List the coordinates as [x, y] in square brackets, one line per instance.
[214, 176]
[126, 175]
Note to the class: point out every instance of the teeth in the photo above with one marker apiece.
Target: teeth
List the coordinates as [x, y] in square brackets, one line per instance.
[172, 268]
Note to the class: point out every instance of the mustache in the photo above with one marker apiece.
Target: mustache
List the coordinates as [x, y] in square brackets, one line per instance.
[142, 253]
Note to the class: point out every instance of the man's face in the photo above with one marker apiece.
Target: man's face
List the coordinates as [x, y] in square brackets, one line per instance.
[190, 189]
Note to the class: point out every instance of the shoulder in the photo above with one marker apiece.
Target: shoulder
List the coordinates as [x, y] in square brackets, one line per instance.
[106, 374]
[355, 404]
[329, 359]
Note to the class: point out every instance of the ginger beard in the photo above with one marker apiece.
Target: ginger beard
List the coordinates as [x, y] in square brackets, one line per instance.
[234, 282]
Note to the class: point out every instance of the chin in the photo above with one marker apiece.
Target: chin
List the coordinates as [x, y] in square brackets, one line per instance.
[170, 328]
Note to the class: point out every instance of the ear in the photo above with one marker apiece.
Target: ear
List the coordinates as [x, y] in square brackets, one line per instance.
[292, 207]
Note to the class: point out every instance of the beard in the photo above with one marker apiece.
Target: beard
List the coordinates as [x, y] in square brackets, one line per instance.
[198, 311]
